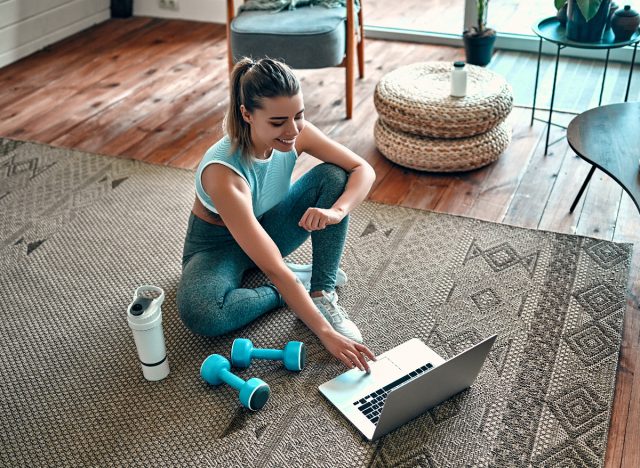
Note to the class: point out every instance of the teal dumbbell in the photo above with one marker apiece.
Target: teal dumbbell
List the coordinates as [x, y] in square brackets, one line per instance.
[254, 392]
[294, 354]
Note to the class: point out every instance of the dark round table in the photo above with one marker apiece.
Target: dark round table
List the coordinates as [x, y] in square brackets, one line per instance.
[608, 137]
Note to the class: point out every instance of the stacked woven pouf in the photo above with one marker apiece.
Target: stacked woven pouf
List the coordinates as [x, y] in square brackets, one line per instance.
[422, 127]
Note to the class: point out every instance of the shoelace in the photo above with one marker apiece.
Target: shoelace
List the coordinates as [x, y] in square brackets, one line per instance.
[335, 311]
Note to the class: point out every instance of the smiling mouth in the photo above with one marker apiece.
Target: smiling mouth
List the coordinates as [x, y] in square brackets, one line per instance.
[286, 142]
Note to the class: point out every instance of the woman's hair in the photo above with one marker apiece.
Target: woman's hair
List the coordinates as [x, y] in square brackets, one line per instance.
[251, 82]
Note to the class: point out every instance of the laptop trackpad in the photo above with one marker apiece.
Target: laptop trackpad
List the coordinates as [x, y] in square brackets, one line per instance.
[353, 384]
[383, 369]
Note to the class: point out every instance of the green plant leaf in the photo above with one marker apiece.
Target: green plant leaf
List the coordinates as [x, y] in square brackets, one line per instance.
[589, 8]
[559, 3]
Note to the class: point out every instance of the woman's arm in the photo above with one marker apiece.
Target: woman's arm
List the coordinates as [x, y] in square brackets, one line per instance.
[232, 198]
[361, 176]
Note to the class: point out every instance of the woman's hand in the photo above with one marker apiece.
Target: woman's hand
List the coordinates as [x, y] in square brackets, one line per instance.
[350, 353]
[315, 219]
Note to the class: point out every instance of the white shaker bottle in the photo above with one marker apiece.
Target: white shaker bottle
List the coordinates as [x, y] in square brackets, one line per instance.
[458, 80]
[145, 320]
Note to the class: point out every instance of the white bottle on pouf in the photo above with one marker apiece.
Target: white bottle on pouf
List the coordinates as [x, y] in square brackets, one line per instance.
[458, 80]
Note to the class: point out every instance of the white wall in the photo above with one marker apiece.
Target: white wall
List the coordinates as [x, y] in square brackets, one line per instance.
[209, 11]
[29, 25]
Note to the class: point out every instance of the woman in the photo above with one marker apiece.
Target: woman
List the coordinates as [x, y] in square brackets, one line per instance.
[246, 214]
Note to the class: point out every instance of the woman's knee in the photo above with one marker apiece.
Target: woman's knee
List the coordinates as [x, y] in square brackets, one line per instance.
[201, 314]
[333, 175]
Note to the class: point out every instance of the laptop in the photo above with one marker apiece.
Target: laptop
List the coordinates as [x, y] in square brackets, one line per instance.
[404, 382]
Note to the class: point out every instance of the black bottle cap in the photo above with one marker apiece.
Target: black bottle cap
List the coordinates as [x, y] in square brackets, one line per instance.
[459, 64]
[140, 305]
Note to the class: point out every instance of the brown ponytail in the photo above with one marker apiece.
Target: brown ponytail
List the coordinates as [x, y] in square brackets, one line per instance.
[251, 82]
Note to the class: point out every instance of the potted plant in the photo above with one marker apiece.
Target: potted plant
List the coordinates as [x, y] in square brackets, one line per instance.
[586, 19]
[479, 40]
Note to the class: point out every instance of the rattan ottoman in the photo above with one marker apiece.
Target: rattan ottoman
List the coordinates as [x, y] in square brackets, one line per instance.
[439, 154]
[415, 99]
[422, 127]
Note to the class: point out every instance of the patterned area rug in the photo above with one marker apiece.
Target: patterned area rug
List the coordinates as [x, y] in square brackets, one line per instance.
[79, 232]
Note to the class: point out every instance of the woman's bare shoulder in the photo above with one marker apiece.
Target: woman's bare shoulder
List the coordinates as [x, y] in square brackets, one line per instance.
[221, 177]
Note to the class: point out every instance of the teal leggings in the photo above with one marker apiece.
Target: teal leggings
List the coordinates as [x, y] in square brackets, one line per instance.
[210, 299]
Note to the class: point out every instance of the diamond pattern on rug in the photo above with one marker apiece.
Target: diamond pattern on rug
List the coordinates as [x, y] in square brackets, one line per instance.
[591, 440]
[606, 254]
[592, 343]
[599, 300]
[578, 409]
[502, 257]
[567, 454]
[485, 300]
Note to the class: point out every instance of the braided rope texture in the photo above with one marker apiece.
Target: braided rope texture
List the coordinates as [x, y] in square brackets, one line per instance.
[415, 99]
[79, 232]
[441, 155]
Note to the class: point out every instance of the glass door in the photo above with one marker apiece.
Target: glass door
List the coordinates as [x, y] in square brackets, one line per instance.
[443, 21]
[518, 16]
[434, 16]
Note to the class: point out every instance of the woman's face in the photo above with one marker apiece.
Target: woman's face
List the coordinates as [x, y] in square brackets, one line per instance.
[276, 125]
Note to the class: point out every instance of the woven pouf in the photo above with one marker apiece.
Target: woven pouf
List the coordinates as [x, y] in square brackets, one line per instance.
[415, 99]
[438, 154]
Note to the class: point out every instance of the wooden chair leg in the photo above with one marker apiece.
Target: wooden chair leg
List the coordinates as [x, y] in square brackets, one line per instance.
[350, 57]
[230, 15]
[230, 64]
[361, 60]
[361, 45]
[350, 82]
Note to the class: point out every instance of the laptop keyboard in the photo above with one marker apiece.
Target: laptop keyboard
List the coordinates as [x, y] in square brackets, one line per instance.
[371, 405]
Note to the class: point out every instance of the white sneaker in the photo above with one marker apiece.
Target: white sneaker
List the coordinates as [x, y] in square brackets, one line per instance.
[303, 272]
[327, 305]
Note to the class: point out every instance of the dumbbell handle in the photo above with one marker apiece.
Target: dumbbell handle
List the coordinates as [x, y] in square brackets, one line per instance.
[267, 354]
[231, 379]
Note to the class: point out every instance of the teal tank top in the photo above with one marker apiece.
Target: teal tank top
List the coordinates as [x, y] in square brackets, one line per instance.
[268, 179]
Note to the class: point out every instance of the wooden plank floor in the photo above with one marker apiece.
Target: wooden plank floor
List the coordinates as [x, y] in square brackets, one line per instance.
[156, 90]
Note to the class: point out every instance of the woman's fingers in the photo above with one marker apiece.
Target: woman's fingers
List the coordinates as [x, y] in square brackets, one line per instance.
[362, 362]
[363, 349]
[313, 220]
[307, 220]
[356, 357]
[304, 220]
[353, 359]
[346, 360]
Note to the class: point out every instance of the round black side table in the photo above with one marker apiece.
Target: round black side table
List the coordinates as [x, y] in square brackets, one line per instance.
[550, 29]
[608, 138]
